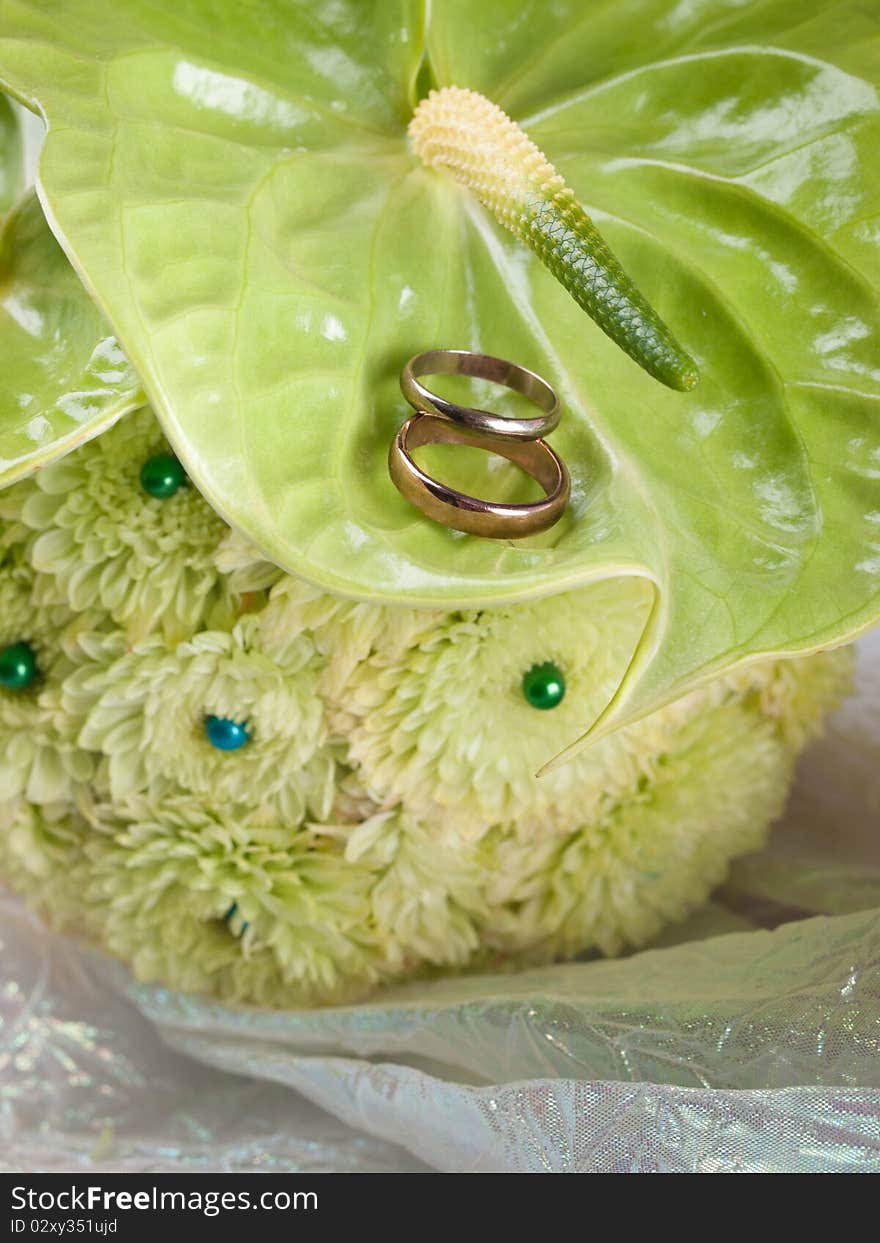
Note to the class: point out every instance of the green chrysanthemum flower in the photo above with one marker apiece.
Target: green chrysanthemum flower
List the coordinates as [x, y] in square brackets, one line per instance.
[167, 870]
[428, 900]
[796, 694]
[648, 857]
[421, 733]
[145, 710]
[422, 736]
[14, 535]
[39, 755]
[246, 569]
[345, 632]
[237, 901]
[103, 539]
[42, 858]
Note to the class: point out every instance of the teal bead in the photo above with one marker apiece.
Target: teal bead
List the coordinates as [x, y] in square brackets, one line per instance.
[544, 685]
[18, 666]
[225, 734]
[230, 915]
[162, 475]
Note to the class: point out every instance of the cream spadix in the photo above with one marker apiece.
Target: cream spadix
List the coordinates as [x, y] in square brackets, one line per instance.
[470, 137]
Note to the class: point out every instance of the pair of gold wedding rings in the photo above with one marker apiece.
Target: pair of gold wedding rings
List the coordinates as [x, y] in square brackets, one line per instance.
[438, 420]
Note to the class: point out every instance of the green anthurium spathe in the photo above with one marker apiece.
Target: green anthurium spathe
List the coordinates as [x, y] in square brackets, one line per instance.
[10, 156]
[63, 377]
[235, 185]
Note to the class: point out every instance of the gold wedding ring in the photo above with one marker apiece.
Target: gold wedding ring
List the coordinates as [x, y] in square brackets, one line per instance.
[481, 367]
[438, 420]
[470, 513]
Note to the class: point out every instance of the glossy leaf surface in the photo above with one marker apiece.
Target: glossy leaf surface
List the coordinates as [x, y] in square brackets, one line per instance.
[63, 377]
[234, 184]
[10, 156]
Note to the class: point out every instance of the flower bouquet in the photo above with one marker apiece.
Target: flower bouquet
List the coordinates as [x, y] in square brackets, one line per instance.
[267, 732]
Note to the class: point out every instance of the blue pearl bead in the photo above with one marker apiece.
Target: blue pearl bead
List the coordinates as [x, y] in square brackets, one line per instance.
[225, 734]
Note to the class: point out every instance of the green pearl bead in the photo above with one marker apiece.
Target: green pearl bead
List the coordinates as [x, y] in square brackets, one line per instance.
[544, 685]
[18, 666]
[162, 475]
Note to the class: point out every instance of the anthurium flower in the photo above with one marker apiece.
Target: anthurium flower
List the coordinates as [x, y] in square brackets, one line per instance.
[11, 165]
[63, 377]
[241, 191]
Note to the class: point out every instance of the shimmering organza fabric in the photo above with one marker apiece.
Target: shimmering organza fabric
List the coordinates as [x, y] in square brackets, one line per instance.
[748, 1040]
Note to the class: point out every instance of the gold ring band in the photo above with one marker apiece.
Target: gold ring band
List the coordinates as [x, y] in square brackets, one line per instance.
[470, 513]
[483, 367]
